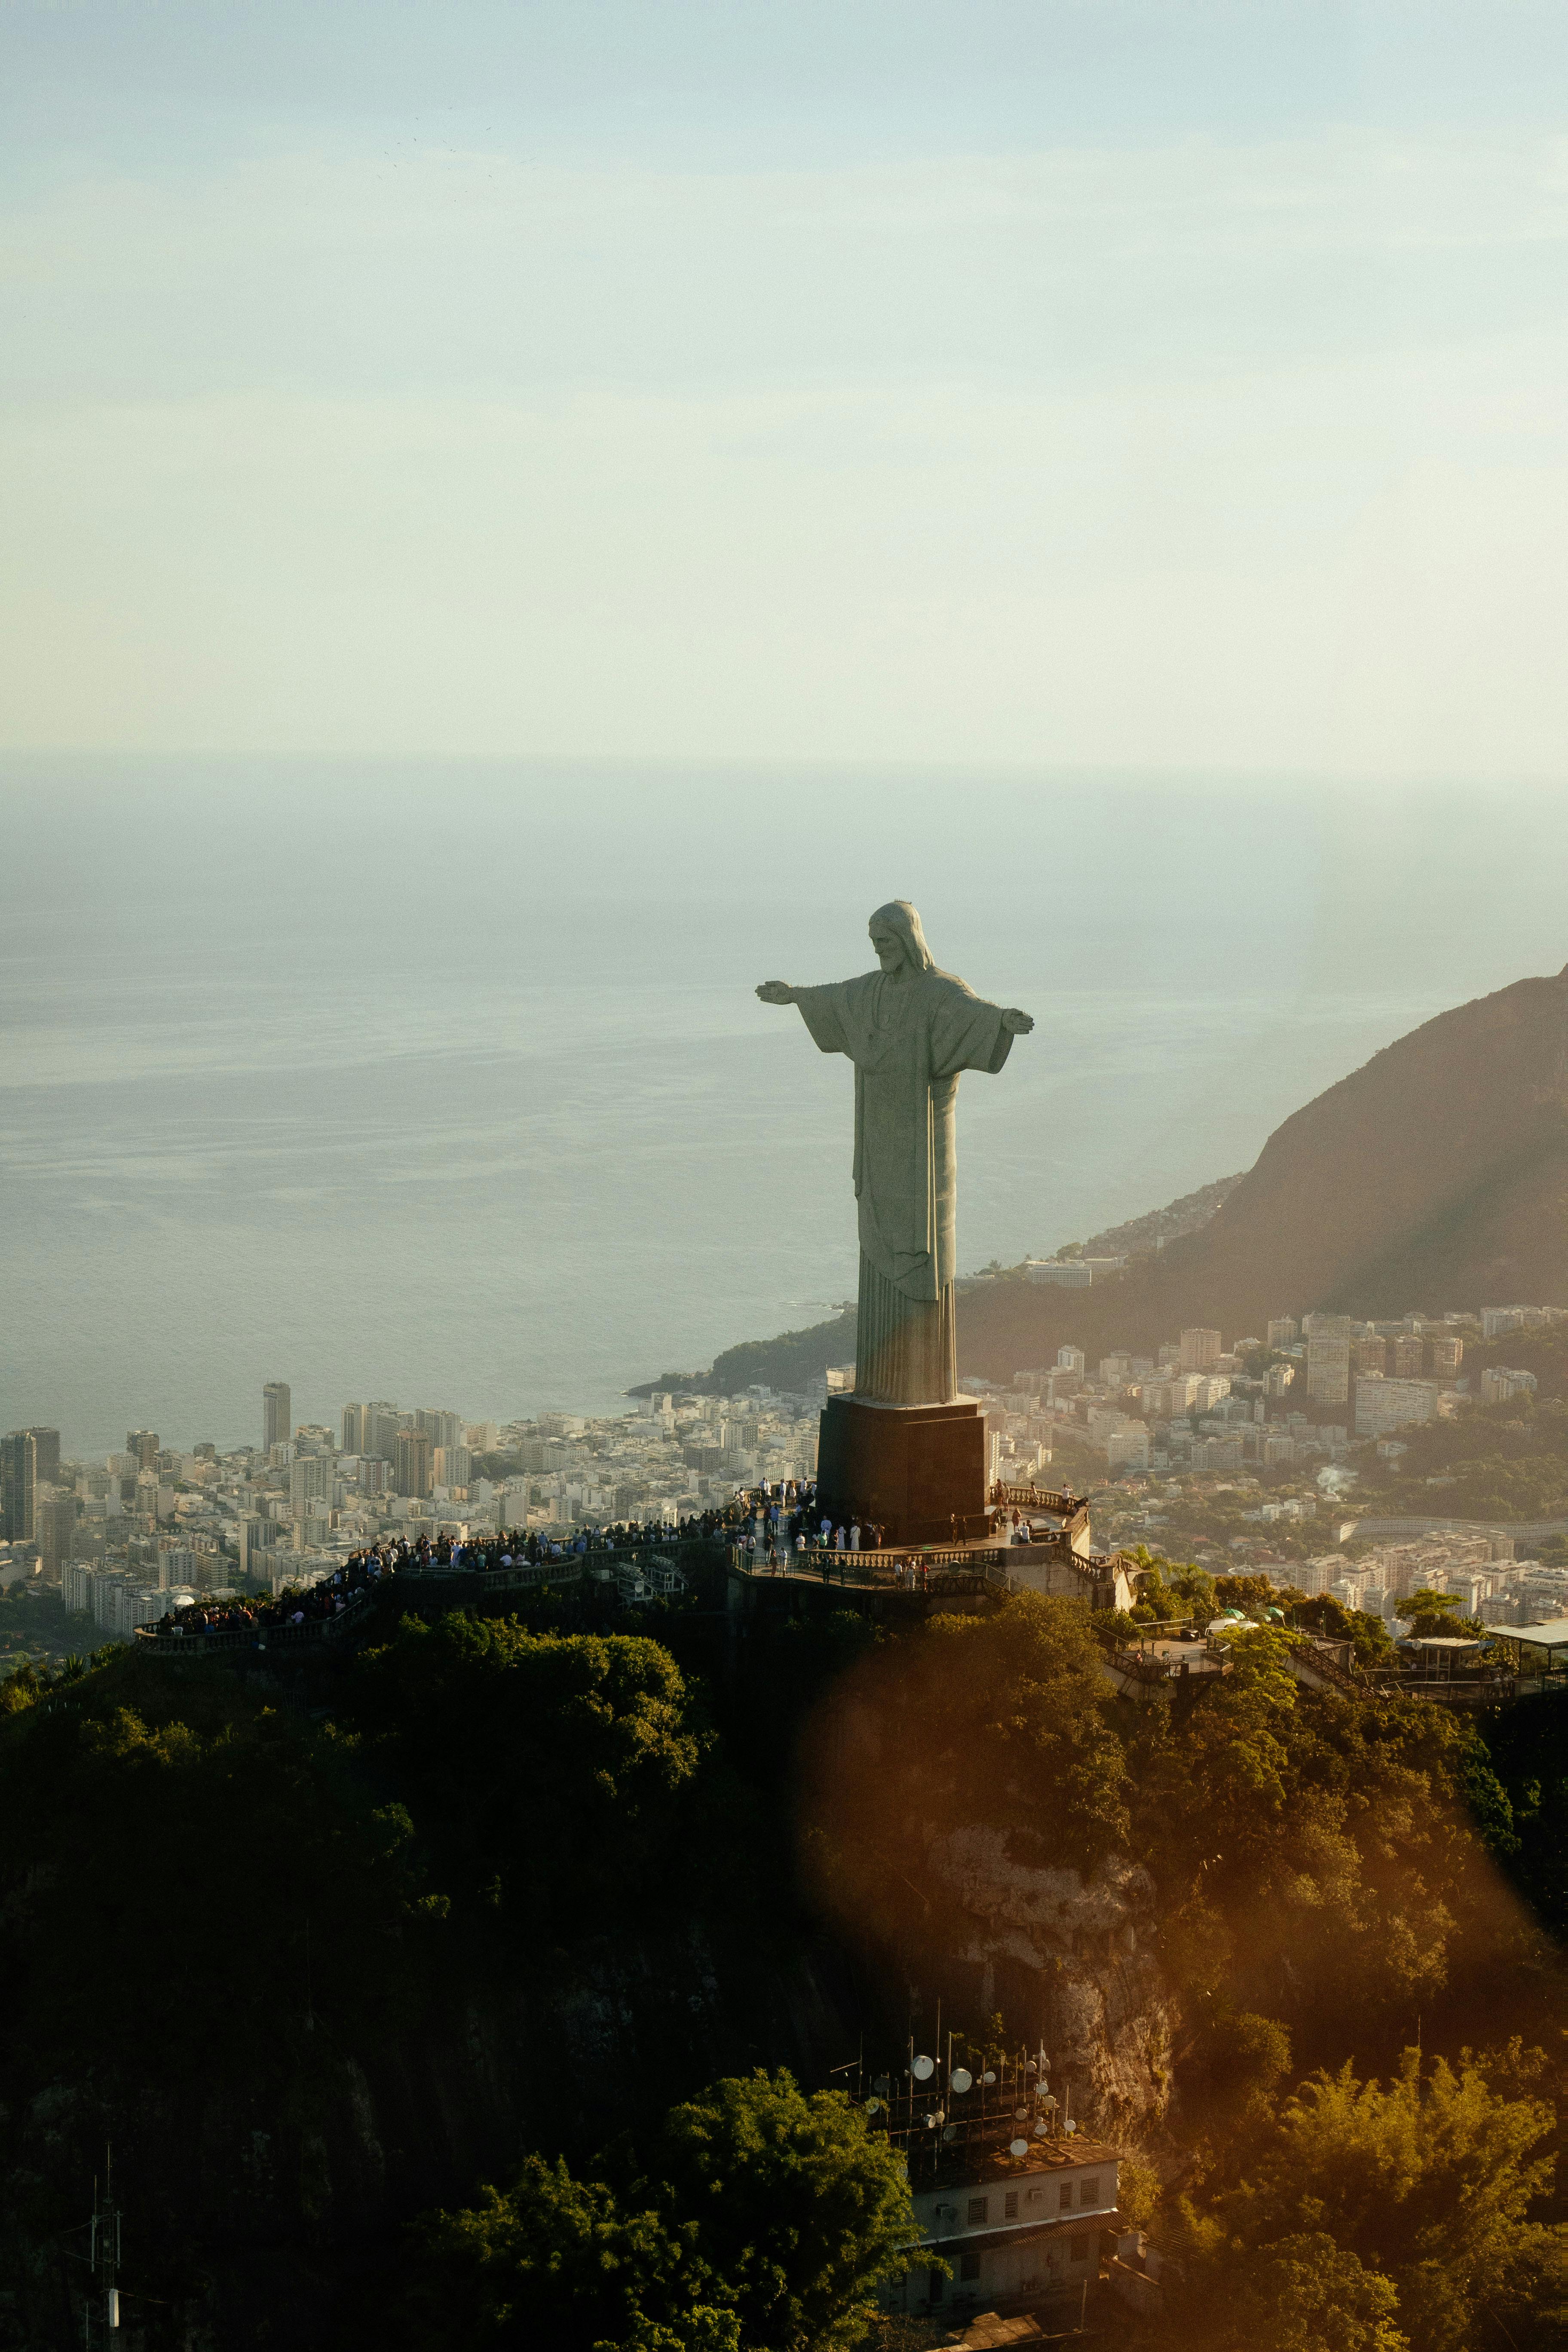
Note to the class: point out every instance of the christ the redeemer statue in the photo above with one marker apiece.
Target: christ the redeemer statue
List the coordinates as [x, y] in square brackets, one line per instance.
[910, 1030]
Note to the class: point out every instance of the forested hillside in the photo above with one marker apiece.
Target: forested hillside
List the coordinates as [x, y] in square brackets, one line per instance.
[423, 2006]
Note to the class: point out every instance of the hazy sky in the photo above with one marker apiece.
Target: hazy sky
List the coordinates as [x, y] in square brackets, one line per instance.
[1182, 385]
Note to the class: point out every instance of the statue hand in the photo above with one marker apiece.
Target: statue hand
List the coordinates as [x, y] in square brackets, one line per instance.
[777, 991]
[1020, 1024]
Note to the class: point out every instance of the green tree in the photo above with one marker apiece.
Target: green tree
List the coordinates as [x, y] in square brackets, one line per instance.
[568, 2262]
[178, 1823]
[1302, 2293]
[1012, 1723]
[1427, 2179]
[766, 2221]
[1433, 1615]
[799, 2208]
[554, 1765]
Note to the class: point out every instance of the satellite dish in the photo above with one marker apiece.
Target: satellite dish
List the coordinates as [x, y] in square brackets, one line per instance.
[872, 2105]
[1020, 2115]
[949, 2131]
[923, 2069]
[1039, 2131]
[1069, 2126]
[960, 2080]
[988, 2076]
[1017, 2148]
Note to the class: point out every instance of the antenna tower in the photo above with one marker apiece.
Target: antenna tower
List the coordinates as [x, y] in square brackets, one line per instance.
[100, 2318]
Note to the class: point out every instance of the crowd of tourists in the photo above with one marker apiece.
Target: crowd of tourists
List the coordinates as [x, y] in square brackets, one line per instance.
[781, 1536]
[515, 1547]
[333, 1597]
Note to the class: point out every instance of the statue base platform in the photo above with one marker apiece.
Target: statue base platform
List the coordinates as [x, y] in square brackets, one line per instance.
[918, 1471]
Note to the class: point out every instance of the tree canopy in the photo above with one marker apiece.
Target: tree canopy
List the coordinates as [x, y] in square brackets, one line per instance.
[555, 1764]
[763, 2224]
[1378, 2213]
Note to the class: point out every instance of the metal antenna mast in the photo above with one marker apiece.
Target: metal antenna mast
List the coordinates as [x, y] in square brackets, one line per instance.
[104, 2306]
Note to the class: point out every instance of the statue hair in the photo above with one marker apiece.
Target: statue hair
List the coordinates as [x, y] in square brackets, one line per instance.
[899, 916]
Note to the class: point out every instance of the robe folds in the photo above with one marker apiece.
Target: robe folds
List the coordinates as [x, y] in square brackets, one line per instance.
[909, 1039]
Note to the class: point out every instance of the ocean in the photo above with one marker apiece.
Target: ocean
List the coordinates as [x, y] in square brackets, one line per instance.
[449, 1085]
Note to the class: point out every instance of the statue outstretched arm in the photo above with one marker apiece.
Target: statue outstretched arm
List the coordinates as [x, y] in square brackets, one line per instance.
[777, 991]
[1020, 1024]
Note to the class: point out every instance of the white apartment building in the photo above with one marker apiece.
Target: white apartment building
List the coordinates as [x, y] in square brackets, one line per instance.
[1059, 1273]
[1127, 1448]
[1012, 2230]
[1496, 1321]
[1382, 1404]
[1498, 1382]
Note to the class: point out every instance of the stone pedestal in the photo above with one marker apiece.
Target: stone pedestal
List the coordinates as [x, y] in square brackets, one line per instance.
[912, 1469]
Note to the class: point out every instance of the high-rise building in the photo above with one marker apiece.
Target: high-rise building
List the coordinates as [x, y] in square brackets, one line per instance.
[54, 1525]
[454, 1465]
[256, 1538]
[29, 1460]
[15, 1487]
[1070, 1359]
[381, 1422]
[411, 1463]
[310, 1481]
[1200, 1350]
[1381, 1405]
[1448, 1355]
[277, 1414]
[1283, 1331]
[46, 1445]
[1371, 1356]
[1328, 1367]
[141, 1445]
[354, 1429]
[440, 1428]
[1407, 1358]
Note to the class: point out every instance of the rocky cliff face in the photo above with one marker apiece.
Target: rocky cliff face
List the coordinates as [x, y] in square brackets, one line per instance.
[1108, 2018]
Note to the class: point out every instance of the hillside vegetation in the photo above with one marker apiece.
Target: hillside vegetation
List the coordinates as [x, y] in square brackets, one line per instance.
[433, 2012]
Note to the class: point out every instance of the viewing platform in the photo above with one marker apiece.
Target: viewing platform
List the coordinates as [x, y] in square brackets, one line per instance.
[985, 1566]
[185, 1645]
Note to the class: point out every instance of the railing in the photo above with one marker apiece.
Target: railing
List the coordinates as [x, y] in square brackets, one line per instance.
[1056, 1500]
[1139, 1666]
[572, 1567]
[942, 1568]
[895, 1568]
[203, 1641]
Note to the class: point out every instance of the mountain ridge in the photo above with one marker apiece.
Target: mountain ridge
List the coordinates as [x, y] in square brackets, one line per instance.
[1433, 1178]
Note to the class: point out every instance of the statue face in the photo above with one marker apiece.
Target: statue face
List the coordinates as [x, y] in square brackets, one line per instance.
[889, 947]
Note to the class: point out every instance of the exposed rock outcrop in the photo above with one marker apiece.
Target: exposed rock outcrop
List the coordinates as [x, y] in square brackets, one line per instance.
[1108, 2016]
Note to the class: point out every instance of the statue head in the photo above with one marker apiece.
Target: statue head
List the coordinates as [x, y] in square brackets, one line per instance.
[897, 936]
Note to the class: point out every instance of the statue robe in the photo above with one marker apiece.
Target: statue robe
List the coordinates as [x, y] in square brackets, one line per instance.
[908, 1040]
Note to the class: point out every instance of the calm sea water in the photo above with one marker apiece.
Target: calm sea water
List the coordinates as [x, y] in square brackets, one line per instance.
[453, 1089]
